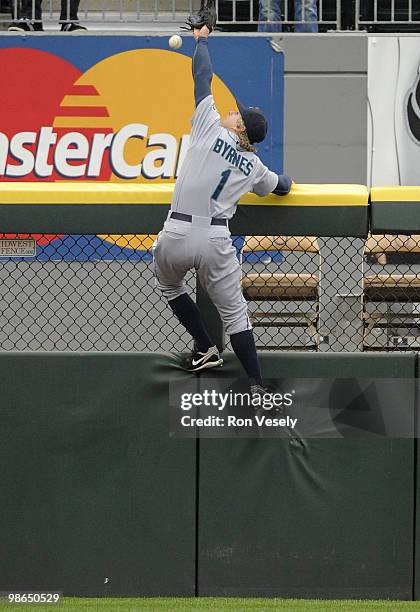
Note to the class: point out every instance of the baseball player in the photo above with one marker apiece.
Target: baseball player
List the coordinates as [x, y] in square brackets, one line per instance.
[220, 166]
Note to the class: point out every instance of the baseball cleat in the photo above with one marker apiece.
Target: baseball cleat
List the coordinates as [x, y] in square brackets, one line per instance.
[256, 389]
[203, 361]
[261, 391]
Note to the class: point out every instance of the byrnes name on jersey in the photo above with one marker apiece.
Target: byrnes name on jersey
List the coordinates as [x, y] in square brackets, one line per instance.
[216, 172]
[232, 156]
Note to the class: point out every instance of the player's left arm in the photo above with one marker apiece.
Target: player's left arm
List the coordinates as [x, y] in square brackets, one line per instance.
[266, 181]
[284, 184]
[201, 66]
[205, 116]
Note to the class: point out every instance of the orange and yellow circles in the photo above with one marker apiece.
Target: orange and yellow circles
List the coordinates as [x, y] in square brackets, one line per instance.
[137, 242]
[153, 88]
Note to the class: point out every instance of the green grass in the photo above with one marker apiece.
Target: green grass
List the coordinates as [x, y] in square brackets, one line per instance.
[219, 604]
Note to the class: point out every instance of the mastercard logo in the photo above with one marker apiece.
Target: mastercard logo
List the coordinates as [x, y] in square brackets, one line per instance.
[126, 118]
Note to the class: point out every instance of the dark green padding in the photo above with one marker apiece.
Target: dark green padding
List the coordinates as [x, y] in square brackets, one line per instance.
[330, 519]
[417, 493]
[83, 218]
[301, 220]
[148, 219]
[96, 499]
[92, 488]
[395, 217]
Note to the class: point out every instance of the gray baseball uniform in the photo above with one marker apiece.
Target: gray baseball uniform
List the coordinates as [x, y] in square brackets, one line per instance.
[214, 175]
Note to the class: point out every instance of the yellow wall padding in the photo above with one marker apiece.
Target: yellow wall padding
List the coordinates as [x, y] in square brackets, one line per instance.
[119, 193]
[315, 195]
[395, 194]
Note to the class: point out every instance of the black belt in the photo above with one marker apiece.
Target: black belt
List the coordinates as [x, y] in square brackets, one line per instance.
[188, 218]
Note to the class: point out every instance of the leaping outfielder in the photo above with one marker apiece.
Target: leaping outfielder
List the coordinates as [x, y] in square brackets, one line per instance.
[220, 166]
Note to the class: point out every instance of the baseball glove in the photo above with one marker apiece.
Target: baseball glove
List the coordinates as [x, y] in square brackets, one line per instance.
[206, 16]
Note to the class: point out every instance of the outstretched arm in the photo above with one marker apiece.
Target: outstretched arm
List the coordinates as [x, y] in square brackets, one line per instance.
[201, 66]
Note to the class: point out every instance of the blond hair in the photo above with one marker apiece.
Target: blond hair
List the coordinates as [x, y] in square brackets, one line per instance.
[243, 137]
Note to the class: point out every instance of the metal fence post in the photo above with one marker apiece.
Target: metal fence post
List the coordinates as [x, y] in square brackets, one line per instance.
[357, 15]
[338, 14]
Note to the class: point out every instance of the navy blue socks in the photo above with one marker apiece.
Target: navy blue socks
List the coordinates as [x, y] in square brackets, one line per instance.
[188, 313]
[244, 346]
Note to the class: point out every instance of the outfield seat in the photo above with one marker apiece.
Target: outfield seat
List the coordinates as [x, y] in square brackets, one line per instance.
[386, 294]
[283, 286]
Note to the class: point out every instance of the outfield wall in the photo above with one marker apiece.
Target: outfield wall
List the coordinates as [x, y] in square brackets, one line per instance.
[99, 500]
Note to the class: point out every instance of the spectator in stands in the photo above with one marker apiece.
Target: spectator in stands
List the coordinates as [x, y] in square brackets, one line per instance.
[29, 18]
[305, 10]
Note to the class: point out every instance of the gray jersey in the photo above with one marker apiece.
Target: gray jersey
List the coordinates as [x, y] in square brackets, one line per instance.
[216, 172]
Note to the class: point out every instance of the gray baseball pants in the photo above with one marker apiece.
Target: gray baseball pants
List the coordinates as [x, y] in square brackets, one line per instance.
[182, 246]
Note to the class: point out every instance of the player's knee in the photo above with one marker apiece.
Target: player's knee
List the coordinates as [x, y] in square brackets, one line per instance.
[171, 292]
[238, 322]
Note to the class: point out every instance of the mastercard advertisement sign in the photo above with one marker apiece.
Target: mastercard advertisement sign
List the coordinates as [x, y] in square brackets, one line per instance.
[118, 108]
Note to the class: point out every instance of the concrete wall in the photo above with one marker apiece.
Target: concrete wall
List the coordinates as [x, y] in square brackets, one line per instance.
[325, 107]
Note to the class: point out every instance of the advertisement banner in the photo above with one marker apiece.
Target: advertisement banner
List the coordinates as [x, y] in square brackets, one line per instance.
[394, 110]
[118, 109]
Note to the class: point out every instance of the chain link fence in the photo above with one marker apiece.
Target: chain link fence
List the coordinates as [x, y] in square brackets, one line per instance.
[84, 293]
[97, 293]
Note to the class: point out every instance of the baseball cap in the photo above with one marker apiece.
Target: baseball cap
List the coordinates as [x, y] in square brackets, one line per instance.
[255, 122]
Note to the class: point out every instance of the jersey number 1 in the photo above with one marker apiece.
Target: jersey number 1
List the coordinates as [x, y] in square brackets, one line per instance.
[222, 183]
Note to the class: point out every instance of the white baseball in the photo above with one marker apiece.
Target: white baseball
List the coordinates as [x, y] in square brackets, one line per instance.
[175, 41]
